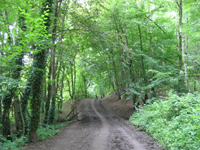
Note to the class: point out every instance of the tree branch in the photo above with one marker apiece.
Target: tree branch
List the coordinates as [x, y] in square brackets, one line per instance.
[178, 4]
[156, 25]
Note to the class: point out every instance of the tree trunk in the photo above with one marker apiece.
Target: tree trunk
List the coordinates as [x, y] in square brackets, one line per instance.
[85, 85]
[1, 97]
[48, 97]
[74, 86]
[153, 92]
[72, 81]
[163, 55]
[69, 86]
[39, 66]
[38, 74]
[180, 42]
[143, 68]
[23, 105]
[115, 77]
[62, 85]
[195, 83]
[43, 99]
[16, 114]
[7, 100]
[185, 65]
[53, 67]
[195, 86]
[57, 85]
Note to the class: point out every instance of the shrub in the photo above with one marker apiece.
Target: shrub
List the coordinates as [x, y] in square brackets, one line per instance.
[42, 134]
[174, 123]
[12, 145]
[49, 131]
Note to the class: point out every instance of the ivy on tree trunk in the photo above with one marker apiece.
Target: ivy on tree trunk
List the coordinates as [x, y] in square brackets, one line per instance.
[38, 72]
[23, 105]
[37, 75]
[7, 100]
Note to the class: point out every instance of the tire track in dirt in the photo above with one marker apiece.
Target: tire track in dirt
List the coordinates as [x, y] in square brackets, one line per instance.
[120, 136]
[100, 141]
[97, 129]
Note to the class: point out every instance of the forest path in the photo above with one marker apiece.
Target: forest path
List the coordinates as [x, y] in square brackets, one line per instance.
[97, 129]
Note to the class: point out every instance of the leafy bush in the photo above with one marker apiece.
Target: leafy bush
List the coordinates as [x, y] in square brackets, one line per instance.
[49, 131]
[46, 133]
[174, 123]
[42, 134]
[12, 145]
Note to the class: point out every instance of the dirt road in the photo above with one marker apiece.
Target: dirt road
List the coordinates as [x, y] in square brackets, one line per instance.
[96, 130]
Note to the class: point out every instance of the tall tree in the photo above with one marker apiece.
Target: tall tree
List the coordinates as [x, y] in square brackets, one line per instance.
[38, 73]
[180, 8]
[53, 66]
[7, 100]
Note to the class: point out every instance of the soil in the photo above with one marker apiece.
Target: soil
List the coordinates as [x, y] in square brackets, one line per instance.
[102, 125]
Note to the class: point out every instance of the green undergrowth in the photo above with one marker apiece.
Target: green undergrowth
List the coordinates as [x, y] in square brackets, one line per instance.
[42, 134]
[174, 123]
[49, 131]
[16, 144]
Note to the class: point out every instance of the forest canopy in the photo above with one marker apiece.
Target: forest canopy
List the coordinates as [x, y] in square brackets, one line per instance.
[53, 51]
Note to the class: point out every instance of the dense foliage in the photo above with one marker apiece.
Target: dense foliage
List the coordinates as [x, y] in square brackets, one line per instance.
[174, 123]
[42, 133]
[55, 51]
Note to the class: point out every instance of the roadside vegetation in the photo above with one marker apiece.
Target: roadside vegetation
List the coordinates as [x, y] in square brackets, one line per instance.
[42, 134]
[174, 123]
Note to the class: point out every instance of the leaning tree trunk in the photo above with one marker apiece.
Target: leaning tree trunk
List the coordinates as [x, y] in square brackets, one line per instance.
[38, 74]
